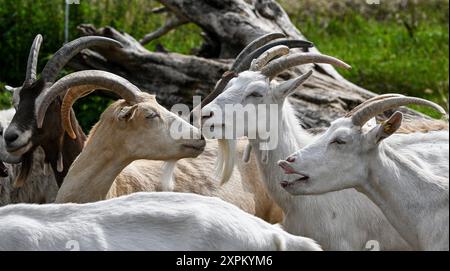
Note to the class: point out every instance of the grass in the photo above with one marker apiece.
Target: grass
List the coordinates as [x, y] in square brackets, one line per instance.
[392, 48]
[385, 54]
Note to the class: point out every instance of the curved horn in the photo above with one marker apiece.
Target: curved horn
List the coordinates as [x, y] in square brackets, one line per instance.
[69, 50]
[100, 79]
[72, 95]
[30, 76]
[373, 99]
[371, 110]
[277, 66]
[245, 63]
[267, 56]
[220, 86]
[255, 45]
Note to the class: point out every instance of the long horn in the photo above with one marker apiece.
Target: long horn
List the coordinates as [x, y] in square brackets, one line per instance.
[245, 63]
[371, 100]
[267, 56]
[279, 65]
[69, 50]
[255, 45]
[220, 86]
[30, 76]
[373, 109]
[72, 95]
[100, 79]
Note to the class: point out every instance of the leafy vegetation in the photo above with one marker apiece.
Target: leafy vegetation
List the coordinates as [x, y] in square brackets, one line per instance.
[392, 47]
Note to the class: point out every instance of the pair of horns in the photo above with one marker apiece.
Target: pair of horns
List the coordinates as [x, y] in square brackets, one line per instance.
[259, 55]
[253, 50]
[61, 57]
[379, 104]
[79, 84]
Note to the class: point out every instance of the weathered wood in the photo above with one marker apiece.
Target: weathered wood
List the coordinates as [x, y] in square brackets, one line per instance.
[228, 26]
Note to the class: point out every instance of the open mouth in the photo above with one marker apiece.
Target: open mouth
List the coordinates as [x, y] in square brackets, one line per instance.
[301, 179]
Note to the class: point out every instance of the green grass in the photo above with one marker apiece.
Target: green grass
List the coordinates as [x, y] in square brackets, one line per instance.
[385, 56]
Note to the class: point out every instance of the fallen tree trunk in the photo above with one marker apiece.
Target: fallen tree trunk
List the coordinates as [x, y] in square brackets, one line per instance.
[228, 25]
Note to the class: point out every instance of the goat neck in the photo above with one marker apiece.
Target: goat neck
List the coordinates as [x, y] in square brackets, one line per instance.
[291, 136]
[404, 192]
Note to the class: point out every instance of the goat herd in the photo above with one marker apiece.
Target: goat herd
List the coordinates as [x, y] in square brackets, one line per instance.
[359, 181]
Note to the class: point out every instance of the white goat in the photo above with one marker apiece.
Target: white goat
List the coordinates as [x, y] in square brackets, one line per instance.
[39, 186]
[142, 221]
[344, 220]
[405, 175]
[147, 128]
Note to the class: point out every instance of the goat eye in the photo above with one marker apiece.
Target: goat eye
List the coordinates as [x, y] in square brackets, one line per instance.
[152, 115]
[338, 141]
[255, 94]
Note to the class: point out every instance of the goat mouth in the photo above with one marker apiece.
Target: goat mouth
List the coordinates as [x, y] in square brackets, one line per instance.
[302, 179]
[21, 150]
[196, 147]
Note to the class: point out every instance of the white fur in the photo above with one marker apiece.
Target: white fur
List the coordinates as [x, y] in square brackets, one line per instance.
[167, 181]
[343, 220]
[142, 221]
[406, 175]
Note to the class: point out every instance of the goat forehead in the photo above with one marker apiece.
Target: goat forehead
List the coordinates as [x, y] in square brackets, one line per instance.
[243, 80]
[341, 122]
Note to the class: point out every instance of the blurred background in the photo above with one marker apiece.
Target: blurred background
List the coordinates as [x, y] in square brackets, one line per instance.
[397, 46]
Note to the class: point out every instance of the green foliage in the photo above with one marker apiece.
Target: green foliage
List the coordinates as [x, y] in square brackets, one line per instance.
[21, 20]
[392, 48]
[5, 98]
[89, 108]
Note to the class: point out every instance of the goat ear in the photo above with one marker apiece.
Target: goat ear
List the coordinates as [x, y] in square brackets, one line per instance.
[387, 128]
[287, 88]
[10, 88]
[127, 113]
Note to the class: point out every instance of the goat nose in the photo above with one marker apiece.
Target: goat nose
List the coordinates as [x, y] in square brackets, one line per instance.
[291, 159]
[10, 136]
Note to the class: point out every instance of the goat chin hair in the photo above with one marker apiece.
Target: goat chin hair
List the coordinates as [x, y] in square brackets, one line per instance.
[167, 172]
[225, 160]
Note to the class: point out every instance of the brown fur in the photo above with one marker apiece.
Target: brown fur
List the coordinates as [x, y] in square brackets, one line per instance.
[111, 144]
[423, 126]
[195, 175]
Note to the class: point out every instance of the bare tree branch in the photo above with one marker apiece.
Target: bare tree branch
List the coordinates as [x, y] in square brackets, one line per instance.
[172, 23]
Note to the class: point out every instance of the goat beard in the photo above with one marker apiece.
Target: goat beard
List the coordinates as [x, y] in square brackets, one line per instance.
[167, 178]
[3, 170]
[225, 160]
[24, 170]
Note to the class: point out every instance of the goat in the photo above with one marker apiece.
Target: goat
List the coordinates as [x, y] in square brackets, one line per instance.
[405, 175]
[344, 220]
[39, 187]
[23, 135]
[45, 129]
[142, 221]
[105, 142]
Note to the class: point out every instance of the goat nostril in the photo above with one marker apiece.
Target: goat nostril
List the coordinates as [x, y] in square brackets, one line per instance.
[291, 159]
[11, 137]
